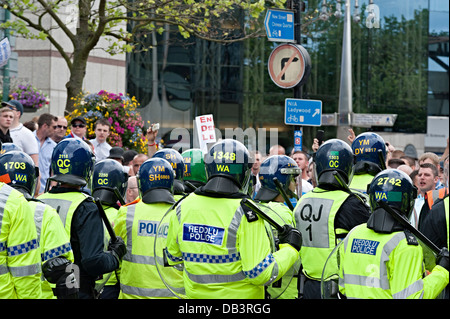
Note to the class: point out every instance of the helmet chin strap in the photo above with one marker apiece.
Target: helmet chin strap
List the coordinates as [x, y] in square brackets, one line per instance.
[381, 221]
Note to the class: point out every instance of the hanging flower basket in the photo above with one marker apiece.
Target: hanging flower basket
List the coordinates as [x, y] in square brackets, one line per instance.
[31, 98]
[127, 126]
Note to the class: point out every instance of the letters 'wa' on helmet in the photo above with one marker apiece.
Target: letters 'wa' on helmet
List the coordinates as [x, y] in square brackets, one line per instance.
[334, 155]
[284, 168]
[155, 181]
[230, 159]
[18, 170]
[109, 181]
[395, 188]
[72, 162]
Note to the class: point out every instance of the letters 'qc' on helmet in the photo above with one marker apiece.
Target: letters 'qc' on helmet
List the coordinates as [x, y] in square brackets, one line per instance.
[18, 170]
[370, 152]
[155, 181]
[395, 188]
[334, 155]
[230, 160]
[72, 162]
[109, 181]
[282, 167]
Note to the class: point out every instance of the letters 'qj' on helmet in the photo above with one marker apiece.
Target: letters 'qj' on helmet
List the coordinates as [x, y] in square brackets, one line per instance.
[109, 181]
[395, 188]
[366, 148]
[72, 162]
[334, 155]
[284, 168]
[18, 170]
[194, 165]
[155, 181]
[230, 159]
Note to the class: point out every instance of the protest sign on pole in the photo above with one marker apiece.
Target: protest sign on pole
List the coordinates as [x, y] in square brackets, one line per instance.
[205, 131]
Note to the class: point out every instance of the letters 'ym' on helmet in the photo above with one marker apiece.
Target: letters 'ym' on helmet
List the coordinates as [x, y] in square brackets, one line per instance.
[284, 168]
[174, 158]
[155, 181]
[18, 170]
[109, 179]
[72, 162]
[367, 146]
[194, 165]
[395, 188]
[231, 159]
[334, 155]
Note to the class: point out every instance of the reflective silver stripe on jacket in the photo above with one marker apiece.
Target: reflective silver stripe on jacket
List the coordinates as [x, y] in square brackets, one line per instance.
[5, 191]
[383, 281]
[146, 292]
[62, 207]
[232, 256]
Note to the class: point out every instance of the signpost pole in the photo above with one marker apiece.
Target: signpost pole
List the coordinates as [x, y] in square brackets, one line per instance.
[298, 92]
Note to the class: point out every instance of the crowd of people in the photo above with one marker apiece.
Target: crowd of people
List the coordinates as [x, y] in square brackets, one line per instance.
[243, 224]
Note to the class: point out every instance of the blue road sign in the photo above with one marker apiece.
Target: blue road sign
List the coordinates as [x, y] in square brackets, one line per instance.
[279, 25]
[303, 112]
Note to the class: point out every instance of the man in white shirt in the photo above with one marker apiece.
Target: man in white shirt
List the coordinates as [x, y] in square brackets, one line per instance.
[102, 130]
[21, 135]
[301, 158]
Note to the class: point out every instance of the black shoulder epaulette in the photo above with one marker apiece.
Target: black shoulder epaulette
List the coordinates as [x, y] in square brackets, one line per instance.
[249, 214]
[410, 238]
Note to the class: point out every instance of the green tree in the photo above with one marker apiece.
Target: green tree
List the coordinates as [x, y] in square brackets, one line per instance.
[124, 23]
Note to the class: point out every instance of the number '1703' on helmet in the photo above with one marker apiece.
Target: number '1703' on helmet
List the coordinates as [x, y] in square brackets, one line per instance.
[18, 170]
[72, 162]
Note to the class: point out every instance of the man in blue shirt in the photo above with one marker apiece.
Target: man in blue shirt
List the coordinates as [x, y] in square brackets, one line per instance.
[46, 128]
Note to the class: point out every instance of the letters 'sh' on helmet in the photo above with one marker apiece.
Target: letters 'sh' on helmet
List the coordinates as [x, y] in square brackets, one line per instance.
[18, 170]
[395, 188]
[72, 162]
[334, 155]
[284, 168]
[194, 165]
[155, 181]
[230, 159]
[174, 158]
[109, 181]
[367, 146]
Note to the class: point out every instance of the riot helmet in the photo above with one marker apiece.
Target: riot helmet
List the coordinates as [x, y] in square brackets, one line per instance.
[109, 182]
[395, 188]
[176, 160]
[194, 167]
[284, 168]
[370, 153]
[155, 181]
[6, 147]
[230, 160]
[18, 170]
[72, 162]
[333, 156]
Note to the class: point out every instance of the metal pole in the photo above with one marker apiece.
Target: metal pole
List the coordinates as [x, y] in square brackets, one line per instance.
[345, 91]
[298, 39]
[6, 80]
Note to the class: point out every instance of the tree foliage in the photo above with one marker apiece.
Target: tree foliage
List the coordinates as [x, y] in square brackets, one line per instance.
[123, 24]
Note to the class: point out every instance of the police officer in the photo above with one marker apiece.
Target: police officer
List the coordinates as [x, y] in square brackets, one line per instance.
[381, 259]
[176, 160]
[285, 170]
[436, 225]
[109, 184]
[54, 243]
[326, 214]
[194, 169]
[20, 260]
[137, 224]
[224, 247]
[370, 152]
[72, 164]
